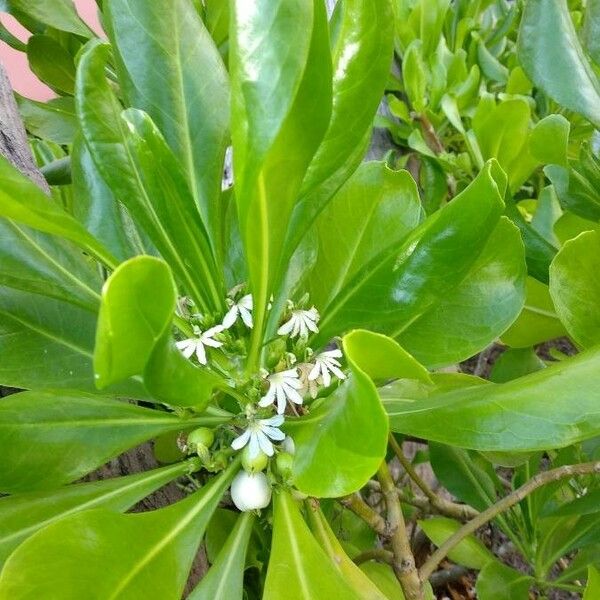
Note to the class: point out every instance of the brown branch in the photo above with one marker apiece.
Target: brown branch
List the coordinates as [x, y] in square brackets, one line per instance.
[360, 508]
[502, 505]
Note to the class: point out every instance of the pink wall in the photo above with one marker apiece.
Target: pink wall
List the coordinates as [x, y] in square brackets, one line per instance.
[22, 79]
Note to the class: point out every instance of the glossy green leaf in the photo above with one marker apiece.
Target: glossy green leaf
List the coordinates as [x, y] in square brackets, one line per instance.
[383, 577]
[559, 403]
[575, 287]
[470, 552]
[52, 439]
[375, 209]
[499, 582]
[22, 515]
[340, 443]
[570, 225]
[592, 588]
[591, 32]
[60, 14]
[54, 120]
[298, 567]
[51, 63]
[175, 74]
[381, 358]
[433, 258]
[225, 578]
[324, 535]
[514, 363]
[118, 556]
[37, 262]
[138, 305]
[267, 112]
[538, 321]
[40, 213]
[553, 59]
[548, 140]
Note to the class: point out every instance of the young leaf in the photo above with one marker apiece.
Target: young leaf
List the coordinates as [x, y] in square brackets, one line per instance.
[54, 120]
[51, 63]
[138, 305]
[298, 567]
[342, 442]
[22, 515]
[225, 578]
[174, 73]
[511, 416]
[575, 288]
[499, 582]
[551, 55]
[60, 14]
[52, 439]
[118, 556]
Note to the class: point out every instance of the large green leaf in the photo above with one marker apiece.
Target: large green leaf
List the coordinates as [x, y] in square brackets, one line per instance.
[60, 14]
[225, 578]
[51, 63]
[40, 213]
[143, 555]
[22, 515]
[51, 439]
[138, 305]
[409, 279]
[375, 209]
[342, 441]
[558, 405]
[54, 120]
[575, 287]
[591, 31]
[144, 175]
[553, 59]
[177, 76]
[267, 112]
[298, 567]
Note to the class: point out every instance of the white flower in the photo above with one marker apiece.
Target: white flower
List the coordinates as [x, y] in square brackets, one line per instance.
[282, 387]
[300, 323]
[242, 308]
[259, 434]
[250, 491]
[326, 363]
[308, 386]
[196, 344]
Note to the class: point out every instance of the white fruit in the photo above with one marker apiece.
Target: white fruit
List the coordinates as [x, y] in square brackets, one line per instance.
[250, 491]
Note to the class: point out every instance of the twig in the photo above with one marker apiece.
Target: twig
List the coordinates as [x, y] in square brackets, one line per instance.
[360, 508]
[404, 561]
[493, 511]
[461, 512]
[442, 578]
[379, 554]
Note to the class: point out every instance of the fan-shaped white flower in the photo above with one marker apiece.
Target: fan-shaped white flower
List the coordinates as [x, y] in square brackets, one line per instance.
[258, 435]
[325, 364]
[300, 323]
[196, 344]
[243, 309]
[283, 386]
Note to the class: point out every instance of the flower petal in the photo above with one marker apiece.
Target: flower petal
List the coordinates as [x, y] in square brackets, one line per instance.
[275, 421]
[230, 318]
[265, 443]
[286, 327]
[241, 440]
[201, 353]
[273, 433]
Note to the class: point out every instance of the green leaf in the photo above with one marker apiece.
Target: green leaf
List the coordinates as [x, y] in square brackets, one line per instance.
[40, 213]
[60, 14]
[22, 515]
[138, 305]
[374, 209]
[118, 556]
[381, 358]
[52, 439]
[175, 73]
[267, 112]
[342, 442]
[514, 363]
[575, 287]
[548, 140]
[551, 55]
[37, 262]
[298, 567]
[54, 120]
[512, 416]
[499, 582]
[538, 321]
[592, 589]
[225, 578]
[51, 63]
[591, 30]
[361, 584]
[383, 577]
[470, 552]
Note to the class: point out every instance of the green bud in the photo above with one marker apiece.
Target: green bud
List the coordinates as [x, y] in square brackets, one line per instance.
[284, 462]
[203, 436]
[254, 464]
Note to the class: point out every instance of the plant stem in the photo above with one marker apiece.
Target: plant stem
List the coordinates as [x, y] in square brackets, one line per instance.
[361, 509]
[493, 511]
[404, 561]
[379, 554]
[461, 512]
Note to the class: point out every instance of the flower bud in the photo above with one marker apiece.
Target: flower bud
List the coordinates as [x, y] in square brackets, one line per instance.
[283, 462]
[254, 464]
[250, 491]
[203, 436]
